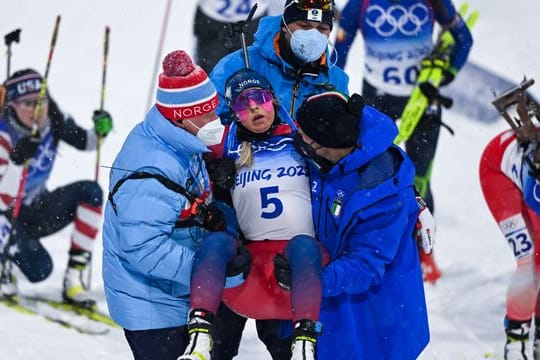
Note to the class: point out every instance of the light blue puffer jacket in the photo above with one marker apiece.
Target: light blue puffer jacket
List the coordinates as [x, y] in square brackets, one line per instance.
[146, 260]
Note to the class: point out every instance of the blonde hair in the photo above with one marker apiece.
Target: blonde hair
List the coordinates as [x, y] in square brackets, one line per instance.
[246, 156]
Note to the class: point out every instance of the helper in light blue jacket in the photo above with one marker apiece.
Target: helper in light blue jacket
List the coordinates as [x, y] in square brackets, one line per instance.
[152, 222]
[364, 212]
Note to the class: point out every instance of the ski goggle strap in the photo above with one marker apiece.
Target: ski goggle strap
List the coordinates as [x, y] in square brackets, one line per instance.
[324, 5]
[243, 102]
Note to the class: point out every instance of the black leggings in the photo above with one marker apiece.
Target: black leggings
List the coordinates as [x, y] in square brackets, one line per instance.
[162, 344]
[48, 214]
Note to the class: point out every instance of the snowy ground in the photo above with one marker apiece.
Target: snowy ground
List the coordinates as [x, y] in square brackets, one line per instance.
[466, 307]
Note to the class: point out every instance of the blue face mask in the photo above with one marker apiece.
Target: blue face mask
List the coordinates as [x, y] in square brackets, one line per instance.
[308, 45]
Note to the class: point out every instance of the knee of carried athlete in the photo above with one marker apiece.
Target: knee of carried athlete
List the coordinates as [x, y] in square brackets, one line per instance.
[219, 242]
[303, 248]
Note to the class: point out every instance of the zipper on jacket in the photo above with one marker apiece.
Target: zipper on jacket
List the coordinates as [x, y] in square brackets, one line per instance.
[293, 100]
[321, 207]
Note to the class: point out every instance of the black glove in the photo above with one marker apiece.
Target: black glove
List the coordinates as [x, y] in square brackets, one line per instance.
[532, 159]
[213, 218]
[240, 264]
[433, 95]
[103, 123]
[282, 271]
[25, 149]
[222, 172]
[448, 75]
[238, 268]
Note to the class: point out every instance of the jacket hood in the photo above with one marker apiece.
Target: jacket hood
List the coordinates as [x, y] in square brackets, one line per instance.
[269, 27]
[377, 133]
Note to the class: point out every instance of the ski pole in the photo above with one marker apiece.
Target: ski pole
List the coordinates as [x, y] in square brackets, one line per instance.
[99, 138]
[240, 28]
[158, 53]
[102, 97]
[9, 39]
[22, 181]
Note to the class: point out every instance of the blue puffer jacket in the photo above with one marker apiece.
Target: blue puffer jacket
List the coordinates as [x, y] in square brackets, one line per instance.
[364, 212]
[146, 260]
[290, 88]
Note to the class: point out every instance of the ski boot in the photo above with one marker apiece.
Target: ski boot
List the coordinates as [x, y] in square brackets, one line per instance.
[305, 334]
[8, 281]
[517, 339]
[200, 340]
[430, 270]
[75, 291]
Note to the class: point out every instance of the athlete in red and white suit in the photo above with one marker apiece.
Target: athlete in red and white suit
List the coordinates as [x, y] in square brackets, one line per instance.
[512, 193]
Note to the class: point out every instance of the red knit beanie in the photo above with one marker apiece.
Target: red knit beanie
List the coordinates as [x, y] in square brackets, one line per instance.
[184, 89]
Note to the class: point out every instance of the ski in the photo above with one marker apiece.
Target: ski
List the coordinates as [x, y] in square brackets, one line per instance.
[430, 77]
[91, 313]
[15, 304]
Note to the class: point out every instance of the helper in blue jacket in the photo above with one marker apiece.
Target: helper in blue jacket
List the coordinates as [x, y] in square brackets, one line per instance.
[291, 51]
[364, 212]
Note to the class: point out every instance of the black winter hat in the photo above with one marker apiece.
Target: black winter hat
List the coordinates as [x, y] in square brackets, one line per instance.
[311, 11]
[331, 118]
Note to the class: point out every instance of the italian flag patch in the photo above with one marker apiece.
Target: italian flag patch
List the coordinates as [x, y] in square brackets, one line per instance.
[336, 207]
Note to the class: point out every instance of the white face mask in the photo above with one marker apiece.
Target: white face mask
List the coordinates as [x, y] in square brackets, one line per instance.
[211, 133]
[308, 45]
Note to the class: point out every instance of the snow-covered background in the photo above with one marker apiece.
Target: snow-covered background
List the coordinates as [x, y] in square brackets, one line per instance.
[466, 307]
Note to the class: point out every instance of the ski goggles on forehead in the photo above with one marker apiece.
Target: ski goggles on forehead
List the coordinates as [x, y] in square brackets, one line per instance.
[258, 96]
[324, 5]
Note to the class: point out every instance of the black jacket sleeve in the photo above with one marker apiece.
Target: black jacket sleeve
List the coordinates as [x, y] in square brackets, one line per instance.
[64, 127]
